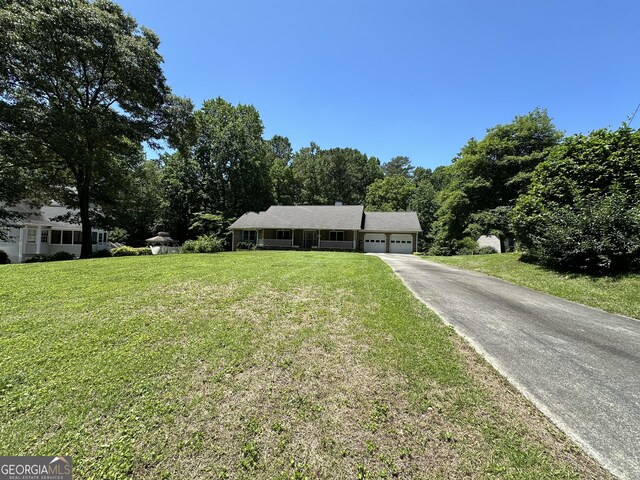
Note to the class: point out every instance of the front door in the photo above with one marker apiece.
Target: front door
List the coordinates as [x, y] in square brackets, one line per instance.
[310, 238]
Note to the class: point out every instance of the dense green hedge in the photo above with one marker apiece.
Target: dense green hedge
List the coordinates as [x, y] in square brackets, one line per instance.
[56, 257]
[582, 209]
[125, 251]
[203, 244]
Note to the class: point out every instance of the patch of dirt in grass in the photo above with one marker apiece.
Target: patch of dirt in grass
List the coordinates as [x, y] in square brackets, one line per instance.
[307, 403]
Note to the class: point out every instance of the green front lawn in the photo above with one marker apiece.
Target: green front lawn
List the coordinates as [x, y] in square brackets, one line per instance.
[283, 365]
[617, 294]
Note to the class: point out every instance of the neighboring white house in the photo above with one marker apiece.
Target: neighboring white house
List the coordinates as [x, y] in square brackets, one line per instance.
[37, 234]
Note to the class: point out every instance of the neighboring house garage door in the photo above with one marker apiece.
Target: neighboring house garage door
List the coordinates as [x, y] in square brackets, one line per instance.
[401, 243]
[375, 242]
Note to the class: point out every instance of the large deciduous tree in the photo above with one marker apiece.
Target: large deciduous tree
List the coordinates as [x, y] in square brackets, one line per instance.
[488, 176]
[81, 86]
[231, 156]
[390, 194]
[284, 185]
[136, 211]
[326, 176]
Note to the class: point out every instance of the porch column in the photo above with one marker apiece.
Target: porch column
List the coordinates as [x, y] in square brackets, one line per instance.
[293, 234]
[355, 238]
[21, 245]
[233, 240]
[38, 239]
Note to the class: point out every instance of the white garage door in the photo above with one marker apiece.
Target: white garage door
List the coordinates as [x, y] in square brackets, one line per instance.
[401, 243]
[375, 242]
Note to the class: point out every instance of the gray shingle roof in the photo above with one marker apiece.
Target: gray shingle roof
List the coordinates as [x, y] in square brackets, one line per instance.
[391, 222]
[43, 215]
[329, 217]
[320, 217]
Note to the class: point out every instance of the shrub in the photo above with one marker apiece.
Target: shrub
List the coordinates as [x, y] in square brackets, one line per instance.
[61, 256]
[466, 246]
[582, 210]
[56, 257]
[37, 259]
[4, 258]
[245, 246]
[203, 244]
[596, 235]
[102, 253]
[486, 250]
[125, 251]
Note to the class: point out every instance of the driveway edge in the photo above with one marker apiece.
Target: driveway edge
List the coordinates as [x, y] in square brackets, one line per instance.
[539, 404]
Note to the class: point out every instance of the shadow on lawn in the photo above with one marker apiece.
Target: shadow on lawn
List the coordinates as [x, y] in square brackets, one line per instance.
[593, 275]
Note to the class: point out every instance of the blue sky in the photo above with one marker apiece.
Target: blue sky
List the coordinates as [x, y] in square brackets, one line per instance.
[414, 78]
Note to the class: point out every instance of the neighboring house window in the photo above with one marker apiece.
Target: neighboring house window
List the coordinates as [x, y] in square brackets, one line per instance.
[94, 237]
[67, 237]
[56, 237]
[44, 236]
[336, 236]
[105, 237]
[100, 237]
[77, 238]
[31, 235]
[283, 234]
[249, 236]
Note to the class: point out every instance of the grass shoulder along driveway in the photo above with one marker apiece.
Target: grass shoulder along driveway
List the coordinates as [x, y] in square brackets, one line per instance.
[283, 365]
[615, 294]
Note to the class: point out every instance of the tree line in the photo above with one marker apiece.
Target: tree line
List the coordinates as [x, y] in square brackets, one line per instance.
[82, 88]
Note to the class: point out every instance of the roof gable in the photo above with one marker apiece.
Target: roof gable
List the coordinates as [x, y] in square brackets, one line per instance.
[391, 222]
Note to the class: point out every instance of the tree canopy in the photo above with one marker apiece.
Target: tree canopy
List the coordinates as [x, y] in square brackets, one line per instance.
[582, 209]
[336, 174]
[81, 86]
[390, 194]
[487, 177]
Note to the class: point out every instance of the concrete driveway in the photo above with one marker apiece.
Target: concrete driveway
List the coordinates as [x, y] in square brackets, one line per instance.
[579, 365]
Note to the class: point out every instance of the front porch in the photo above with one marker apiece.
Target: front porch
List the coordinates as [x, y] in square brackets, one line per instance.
[343, 240]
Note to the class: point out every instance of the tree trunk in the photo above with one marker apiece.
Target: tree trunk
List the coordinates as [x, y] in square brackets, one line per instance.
[85, 219]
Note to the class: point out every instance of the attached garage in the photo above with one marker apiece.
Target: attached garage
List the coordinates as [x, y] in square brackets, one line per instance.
[375, 242]
[401, 243]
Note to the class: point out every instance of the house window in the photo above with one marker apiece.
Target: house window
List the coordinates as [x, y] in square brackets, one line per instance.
[336, 236]
[56, 237]
[44, 236]
[249, 236]
[100, 237]
[104, 237]
[31, 235]
[77, 238]
[94, 237]
[67, 237]
[283, 234]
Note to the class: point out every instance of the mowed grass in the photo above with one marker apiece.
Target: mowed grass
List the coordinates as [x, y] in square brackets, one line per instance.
[616, 294]
[286, 365]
